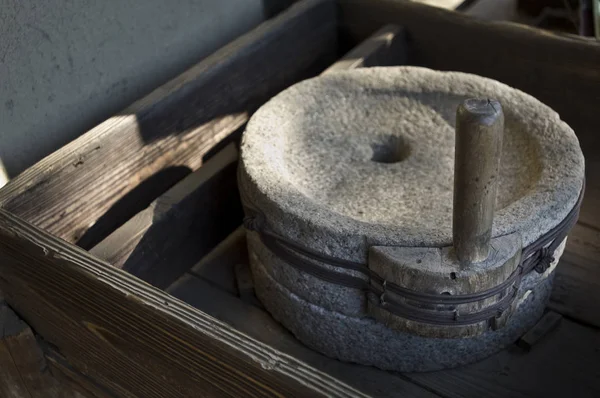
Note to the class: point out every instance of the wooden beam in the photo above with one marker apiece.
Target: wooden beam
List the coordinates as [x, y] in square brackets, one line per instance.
[166, 134]
[122, 332]
[516, 55]
[179, 227]
[12, 386]
[549, 322]
[23, 370]
[64, 371]
[386, 47]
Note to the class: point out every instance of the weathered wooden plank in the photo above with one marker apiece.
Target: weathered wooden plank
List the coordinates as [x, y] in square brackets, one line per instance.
[23, 370]
[563, 364]
[182, 225]
[171, 129]
[260, 325]
[32, 368]
[107, 323]
[386, 47]
[577, 284]
[514, 54]
[11, 384]
[549, 321]
[63, 371]
[116, 248]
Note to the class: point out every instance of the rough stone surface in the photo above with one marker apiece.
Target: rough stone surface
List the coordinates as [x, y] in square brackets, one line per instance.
[357, 159]
[307, 160]
[365, 341]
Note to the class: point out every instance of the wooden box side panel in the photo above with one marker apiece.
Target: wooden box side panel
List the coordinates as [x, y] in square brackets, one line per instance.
[114, 169]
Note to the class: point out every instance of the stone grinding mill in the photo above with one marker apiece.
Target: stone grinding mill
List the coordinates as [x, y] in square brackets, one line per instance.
[407, 218]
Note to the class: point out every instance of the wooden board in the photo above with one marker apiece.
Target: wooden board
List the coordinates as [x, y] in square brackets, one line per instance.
[545, 325]
[23, 369]
[12, 386]
[117, 168]
[563, 364]
[106, 323]
[179, 227]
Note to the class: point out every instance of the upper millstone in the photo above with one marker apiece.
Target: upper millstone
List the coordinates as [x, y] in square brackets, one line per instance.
[353, 159]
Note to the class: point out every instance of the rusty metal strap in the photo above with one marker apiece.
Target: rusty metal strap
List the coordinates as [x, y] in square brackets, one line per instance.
[537, 256]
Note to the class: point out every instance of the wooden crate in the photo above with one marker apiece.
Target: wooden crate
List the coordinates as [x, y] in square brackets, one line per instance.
[123, 250]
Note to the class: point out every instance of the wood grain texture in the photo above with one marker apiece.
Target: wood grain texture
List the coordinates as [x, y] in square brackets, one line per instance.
[518, 56]
[11, 385]
[23, 369]
[106, 323]
[563, 364]
[179, 227]
[174, 126]
[64, 372]
[561, 71]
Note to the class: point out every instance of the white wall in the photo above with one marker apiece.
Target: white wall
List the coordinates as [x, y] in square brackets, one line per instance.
[66, 65]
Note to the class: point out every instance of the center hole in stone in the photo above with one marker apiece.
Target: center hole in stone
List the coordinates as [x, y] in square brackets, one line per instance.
[390, 149]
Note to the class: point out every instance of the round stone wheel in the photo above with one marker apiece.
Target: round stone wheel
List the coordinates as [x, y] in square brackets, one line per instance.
[351, 160]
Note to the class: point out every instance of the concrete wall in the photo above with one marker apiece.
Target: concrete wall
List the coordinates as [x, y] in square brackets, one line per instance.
[66, 65]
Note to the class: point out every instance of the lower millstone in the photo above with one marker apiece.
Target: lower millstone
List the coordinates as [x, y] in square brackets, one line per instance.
[362, 339]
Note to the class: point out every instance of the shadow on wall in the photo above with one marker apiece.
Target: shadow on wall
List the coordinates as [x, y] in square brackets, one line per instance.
[67, 67]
